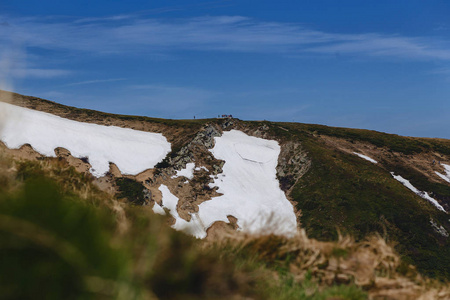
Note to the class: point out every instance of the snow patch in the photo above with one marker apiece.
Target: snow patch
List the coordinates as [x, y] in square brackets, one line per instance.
[446, 177]
[424, 195]
[249, 185]
[201, 168]
[188, 172]
[366, 157]
[131, 150]
[158, 209]
[170, 201]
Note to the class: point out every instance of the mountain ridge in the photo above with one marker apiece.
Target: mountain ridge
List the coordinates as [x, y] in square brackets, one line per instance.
[329, 186]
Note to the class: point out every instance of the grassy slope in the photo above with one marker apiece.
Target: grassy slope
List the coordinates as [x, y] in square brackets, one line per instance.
[342, 191]
[345, 192]
[61, 238]
[397, 143]
[54, 221]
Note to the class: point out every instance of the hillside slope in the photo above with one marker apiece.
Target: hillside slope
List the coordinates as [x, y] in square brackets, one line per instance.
[323, 170]
[63, 238]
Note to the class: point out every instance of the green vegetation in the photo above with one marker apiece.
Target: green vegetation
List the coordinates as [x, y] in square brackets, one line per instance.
[54, 221]
[54, 246]
[309, 290]
[343, 192]
[56, 243]
[131, 190]
[340, 194]
[396, 143]
[439, 190]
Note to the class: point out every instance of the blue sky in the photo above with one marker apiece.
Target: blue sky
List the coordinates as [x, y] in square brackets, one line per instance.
[381, 65]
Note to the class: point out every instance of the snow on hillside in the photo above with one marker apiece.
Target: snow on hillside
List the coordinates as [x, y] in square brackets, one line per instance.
[446, 177]
[187, 172]
[250, 189]
[424, 195]
[132, 151]
[193, 227]
[366, 157]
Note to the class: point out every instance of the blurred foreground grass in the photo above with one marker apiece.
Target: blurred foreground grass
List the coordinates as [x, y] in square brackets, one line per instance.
[62, 238]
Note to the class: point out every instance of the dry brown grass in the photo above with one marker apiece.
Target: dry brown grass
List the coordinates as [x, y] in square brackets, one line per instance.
[371, 264]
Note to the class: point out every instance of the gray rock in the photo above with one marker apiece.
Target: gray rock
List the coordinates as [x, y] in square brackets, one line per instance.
[147, 196]
[439, 229]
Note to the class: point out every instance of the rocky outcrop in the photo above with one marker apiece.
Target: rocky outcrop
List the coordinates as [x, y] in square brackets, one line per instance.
[206, 136]
[196, 190]
[293, 163]
[439, 229]
[196, 149]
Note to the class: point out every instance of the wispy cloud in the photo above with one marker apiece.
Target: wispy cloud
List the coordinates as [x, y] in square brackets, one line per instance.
[13, 65]
[440, 71]
[393, 46]
[103, 19]
[95, 81]
[38, 73]
[141, 35]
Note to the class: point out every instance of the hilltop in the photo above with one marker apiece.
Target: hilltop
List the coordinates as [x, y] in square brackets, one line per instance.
[337, 180]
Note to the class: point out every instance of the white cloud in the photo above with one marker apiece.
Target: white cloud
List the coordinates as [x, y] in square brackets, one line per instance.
[104, 19]
[136, 34]
[13, 65]
[38, 73]
[94, 81]
[394, 46]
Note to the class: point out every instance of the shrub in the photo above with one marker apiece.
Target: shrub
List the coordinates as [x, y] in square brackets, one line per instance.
[131, 190]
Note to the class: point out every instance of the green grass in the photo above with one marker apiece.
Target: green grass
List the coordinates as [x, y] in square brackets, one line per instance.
[439, 190]
[55, 244]
[344, 192]
[309, 290]
[341, 191]
[131, 190]
[393, 142]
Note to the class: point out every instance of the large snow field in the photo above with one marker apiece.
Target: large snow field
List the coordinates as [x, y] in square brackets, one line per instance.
[250, 189]
[424, 195]
[446, 177]
[366, 157]
[131, 150]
